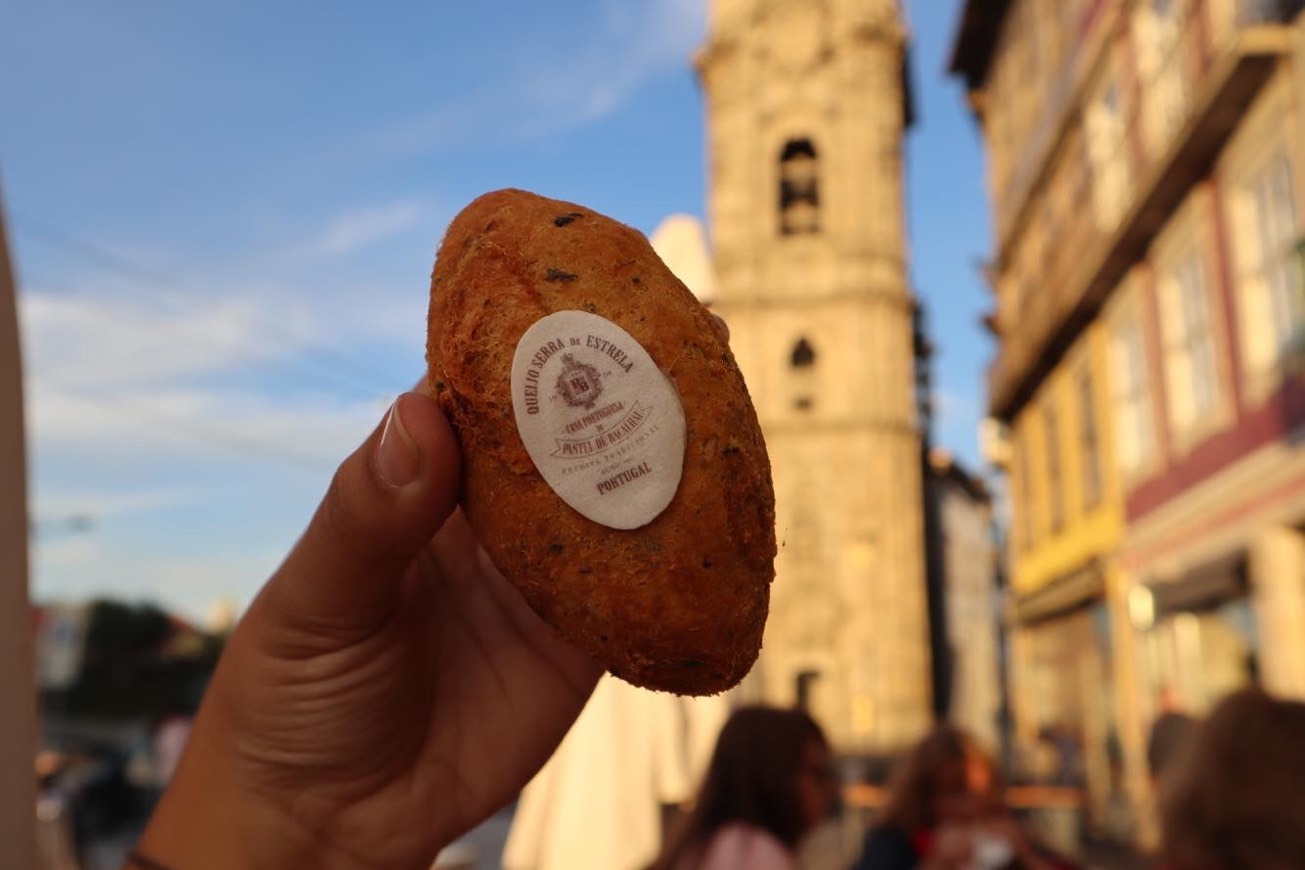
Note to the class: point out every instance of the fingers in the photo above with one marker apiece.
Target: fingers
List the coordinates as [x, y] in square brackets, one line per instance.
[465, 558]
[386, 502]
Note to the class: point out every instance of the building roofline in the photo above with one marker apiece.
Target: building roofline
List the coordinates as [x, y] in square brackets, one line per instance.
[976, 39]
[910, 110]
[945, 466]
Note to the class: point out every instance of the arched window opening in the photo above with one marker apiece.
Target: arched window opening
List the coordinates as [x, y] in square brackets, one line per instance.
[799, 188]
[803, 356]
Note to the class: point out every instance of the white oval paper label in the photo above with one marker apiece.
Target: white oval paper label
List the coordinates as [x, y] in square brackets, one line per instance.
[600, 420]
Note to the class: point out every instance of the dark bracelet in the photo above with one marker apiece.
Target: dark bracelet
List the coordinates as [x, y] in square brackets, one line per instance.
[144, 863]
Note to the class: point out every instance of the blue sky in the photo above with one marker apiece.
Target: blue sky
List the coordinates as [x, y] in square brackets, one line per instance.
[224, 216]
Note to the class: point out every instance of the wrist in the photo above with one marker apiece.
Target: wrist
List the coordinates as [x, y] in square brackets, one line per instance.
[206, 819]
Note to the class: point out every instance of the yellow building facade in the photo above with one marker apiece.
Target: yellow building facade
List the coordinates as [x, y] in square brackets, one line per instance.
[1144, 172]
[1069, 680]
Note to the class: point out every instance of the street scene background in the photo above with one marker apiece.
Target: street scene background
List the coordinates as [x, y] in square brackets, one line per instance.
[1017, 288]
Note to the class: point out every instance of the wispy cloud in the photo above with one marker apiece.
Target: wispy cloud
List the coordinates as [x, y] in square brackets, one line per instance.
[129, 425]
[956, 423]
[98, 339]
[553, 88]
[356, 229]
[308, 323]
[155, 376]
[952, 407]
[204, 459]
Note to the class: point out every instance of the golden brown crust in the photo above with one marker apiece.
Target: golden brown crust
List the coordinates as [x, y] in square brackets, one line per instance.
[679, 604]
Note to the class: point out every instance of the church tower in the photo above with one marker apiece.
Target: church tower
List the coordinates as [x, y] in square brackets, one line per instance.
[806, 110]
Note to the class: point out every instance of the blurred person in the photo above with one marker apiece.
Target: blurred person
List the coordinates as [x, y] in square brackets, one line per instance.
[1236, 800]
[769, 783]
[1169, 736]
[945, 811]
[1067, 746]
[603, 799]
[1170, 700]
[54, 838]
[386, 690]
[169, 741]
[104, 807]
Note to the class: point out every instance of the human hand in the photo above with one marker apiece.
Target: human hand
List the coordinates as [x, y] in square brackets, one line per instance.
[953, 849]
[387, 690]
[1004, 828]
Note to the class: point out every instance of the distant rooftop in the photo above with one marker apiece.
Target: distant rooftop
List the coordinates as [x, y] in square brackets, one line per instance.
[976, 39]
[945, 467]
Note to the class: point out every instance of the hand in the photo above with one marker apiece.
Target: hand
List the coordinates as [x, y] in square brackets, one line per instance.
[387, 689]
[953, 849]
[1009, 829]
[1006, 827]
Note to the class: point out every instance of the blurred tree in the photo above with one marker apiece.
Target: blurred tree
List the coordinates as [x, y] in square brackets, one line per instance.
[138, 663]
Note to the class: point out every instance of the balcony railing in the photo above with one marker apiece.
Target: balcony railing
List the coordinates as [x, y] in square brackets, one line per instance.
[1186, 110]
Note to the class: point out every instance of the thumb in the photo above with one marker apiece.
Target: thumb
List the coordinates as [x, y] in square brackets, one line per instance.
[386, 501]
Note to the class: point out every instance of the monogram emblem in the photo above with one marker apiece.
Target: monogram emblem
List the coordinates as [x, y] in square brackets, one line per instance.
[579, 384]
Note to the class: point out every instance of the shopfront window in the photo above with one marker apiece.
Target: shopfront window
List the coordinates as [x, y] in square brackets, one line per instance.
[1196, 657]
[1070, 665]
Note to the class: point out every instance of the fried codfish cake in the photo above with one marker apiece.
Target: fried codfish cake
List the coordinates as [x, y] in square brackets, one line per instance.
[573, 365]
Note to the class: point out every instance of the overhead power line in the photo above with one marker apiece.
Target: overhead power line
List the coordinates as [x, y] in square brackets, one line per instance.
[214, 436]
[93, 253]
[169, 291]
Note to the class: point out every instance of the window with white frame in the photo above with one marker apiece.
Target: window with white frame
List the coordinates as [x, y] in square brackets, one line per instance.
[1158, 29]
[1191, 362]
[1275, 226]
[1107, 137]
[1131, 394]
[1271, 293]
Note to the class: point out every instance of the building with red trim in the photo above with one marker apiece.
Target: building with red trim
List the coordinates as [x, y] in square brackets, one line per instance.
[1145, 174]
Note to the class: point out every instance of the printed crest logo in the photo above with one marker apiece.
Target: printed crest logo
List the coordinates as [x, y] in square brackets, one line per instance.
[579, 384]
[602, 423]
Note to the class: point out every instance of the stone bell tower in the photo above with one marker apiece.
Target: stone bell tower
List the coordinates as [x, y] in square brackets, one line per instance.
[806, 110]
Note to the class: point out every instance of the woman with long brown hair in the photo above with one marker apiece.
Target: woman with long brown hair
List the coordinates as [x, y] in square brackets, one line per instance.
[1236, 800]
[768, 784]
[945, 812]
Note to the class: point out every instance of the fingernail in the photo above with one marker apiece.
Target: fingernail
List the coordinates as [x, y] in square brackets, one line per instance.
[397, 456]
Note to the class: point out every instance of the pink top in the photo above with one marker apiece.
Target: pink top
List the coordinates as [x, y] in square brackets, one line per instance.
[736, 847]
